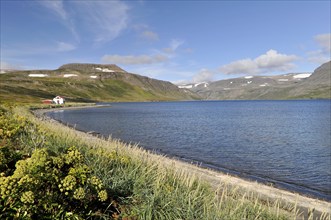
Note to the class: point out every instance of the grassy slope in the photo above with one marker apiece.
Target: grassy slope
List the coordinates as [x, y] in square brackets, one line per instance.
[322, 92]
[17, 87]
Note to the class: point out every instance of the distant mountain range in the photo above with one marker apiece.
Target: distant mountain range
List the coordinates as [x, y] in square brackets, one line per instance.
[107, 83]
[288, 86]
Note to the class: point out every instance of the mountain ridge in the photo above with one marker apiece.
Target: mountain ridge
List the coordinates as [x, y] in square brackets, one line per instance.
[287, 86]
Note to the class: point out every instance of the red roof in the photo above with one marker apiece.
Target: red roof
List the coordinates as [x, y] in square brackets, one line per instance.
[47, 101]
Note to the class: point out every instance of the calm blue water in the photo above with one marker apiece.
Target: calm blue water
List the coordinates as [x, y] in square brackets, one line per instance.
[286, 143]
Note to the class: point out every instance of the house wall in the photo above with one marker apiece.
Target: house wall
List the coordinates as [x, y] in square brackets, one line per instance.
[58, 101]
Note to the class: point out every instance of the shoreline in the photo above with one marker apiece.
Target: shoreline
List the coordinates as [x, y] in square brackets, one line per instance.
[265, 193]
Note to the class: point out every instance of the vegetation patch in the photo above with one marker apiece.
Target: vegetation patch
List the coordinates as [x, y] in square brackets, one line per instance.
[37, 182]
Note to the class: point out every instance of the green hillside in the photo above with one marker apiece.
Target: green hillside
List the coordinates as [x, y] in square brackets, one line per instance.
[75, 83]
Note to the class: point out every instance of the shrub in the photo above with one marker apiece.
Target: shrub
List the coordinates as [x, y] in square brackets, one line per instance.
[18, 137]
[47, 185]
[10, 130]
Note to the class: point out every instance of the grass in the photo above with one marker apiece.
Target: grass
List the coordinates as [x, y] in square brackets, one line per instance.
[18, 87]
[141, 184]
[323, 92]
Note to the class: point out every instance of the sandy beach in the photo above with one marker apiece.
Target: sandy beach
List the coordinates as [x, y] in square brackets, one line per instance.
[265, 193]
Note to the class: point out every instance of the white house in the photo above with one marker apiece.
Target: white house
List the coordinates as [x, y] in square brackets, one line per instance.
[59, 100]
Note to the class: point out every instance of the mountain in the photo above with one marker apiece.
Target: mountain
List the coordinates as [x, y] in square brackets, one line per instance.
[87, 83]
[288, 86]
[102, 83]
[318, 85]
[321, 75]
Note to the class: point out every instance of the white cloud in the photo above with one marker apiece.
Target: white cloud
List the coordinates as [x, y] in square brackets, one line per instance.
[318, 57]
[203, 75]
[265, 63]
[103, 20]
[323, 54]
[150, 35]
[8, 66]
[4, 65]
[145, 32]
[140, 27]
[241, 66]
[162, 71]
[174, 45]
[134, 60]
[324, 40]
[62, 47]
[56, 6]
[33, 49]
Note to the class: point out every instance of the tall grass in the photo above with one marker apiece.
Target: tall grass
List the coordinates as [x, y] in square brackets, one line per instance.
[149, 186]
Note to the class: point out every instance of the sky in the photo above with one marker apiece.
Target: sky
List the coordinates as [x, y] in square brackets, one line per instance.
[177, 41]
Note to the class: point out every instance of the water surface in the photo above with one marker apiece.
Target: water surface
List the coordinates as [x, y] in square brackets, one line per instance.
[286, 143]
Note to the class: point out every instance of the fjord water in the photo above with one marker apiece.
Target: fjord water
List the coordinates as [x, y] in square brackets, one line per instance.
[285, 143]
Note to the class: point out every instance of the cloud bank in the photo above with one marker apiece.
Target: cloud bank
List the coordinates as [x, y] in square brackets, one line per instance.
[271, 61]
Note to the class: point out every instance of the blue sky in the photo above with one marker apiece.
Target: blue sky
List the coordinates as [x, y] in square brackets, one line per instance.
[177, 41]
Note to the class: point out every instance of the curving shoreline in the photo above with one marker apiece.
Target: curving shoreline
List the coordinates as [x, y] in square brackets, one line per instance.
[264, 192]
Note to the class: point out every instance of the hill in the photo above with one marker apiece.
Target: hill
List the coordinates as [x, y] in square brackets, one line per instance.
[318, 85]
[288, 86]
[87, 83]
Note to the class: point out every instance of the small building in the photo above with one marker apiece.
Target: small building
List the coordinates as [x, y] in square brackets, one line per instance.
[59, 100]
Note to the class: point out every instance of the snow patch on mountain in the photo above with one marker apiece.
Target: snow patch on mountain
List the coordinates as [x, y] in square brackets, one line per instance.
[69, 75]
[37, 75]
[104, 70]
[302, 76]
[190, 86]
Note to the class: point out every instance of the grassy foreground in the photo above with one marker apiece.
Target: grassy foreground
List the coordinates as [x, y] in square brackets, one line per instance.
[49, 171]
